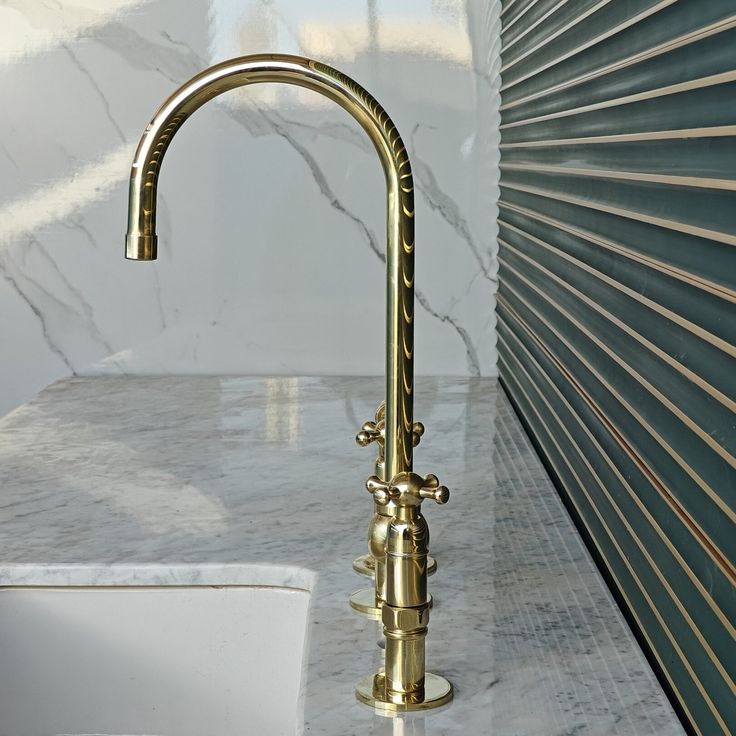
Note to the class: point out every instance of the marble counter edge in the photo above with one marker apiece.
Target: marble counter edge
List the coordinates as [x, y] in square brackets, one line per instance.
[162, 575]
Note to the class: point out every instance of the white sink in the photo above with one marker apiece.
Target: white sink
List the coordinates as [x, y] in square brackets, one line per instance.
[172, 661]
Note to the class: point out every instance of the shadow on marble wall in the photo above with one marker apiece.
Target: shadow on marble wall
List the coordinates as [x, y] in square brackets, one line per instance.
[272, 202]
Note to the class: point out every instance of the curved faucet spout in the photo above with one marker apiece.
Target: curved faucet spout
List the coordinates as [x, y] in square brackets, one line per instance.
[141, 237]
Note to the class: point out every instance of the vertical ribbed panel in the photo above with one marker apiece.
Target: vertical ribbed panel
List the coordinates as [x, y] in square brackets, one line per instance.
[617, 305]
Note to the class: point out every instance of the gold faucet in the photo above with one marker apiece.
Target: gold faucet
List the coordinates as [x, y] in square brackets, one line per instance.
[369, 601]
[401, 541]
[397, 491]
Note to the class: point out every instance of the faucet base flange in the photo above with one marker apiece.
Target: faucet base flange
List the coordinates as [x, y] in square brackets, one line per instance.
[366, 565]
[371, 690]
[364, 601]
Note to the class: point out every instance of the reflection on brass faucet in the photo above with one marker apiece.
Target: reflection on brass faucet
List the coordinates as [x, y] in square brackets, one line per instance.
[402, 686]
[370, 600]
[401, 542]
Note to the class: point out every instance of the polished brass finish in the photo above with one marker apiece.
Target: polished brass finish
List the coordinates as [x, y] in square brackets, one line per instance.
[365, 565]
[364, 601]
[374, 431]
[398, 537]
[297, 70]
[372, 690]
[402, 685]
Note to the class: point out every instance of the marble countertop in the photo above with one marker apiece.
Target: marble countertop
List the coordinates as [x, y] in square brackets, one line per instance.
[133, 480]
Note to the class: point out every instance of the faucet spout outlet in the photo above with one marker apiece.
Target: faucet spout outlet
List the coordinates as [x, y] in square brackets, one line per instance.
[297, 70]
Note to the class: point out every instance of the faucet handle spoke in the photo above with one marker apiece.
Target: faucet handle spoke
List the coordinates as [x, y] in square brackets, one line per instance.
[370, 432]
[408, 489]
[375, 430]
[382, 492]
[433, 489]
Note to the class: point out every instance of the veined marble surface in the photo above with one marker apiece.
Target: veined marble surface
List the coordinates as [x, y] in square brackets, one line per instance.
[272, 202]
[217, 480]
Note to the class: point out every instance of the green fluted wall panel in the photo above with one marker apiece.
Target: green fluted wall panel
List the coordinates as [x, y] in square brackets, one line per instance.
[617, 306]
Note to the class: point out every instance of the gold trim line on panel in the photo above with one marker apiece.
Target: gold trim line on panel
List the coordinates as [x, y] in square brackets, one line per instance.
[523, 12]
[698, 533]
[718, 290]
[642, 548]
[680, 227]
[633, 495]
[691, 375]
[702, 484]
[716, 131]
[712, 80]
[507, 7]
[711, 547]
[702, 182]
[631, 571]
[686, 324]
[592, 42]
[653, 390]
[667, 46]
[509, 381]
[545, 16]
[691, 624]
[552, 36]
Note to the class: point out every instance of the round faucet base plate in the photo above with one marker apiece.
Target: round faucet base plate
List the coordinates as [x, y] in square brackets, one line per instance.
[365, 565]
[364, 601]
[371, 690]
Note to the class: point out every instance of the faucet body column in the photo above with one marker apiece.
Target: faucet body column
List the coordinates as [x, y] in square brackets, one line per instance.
[404, 684]
[405, 611]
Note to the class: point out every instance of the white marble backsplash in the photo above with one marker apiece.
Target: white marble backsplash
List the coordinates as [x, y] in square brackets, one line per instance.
[271, 222]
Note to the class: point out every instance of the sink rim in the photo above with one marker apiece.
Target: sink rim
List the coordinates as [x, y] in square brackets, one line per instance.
[161, 575]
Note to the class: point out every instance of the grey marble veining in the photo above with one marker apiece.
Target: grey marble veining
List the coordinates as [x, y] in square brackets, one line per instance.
[217, 480]
[280, 187]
